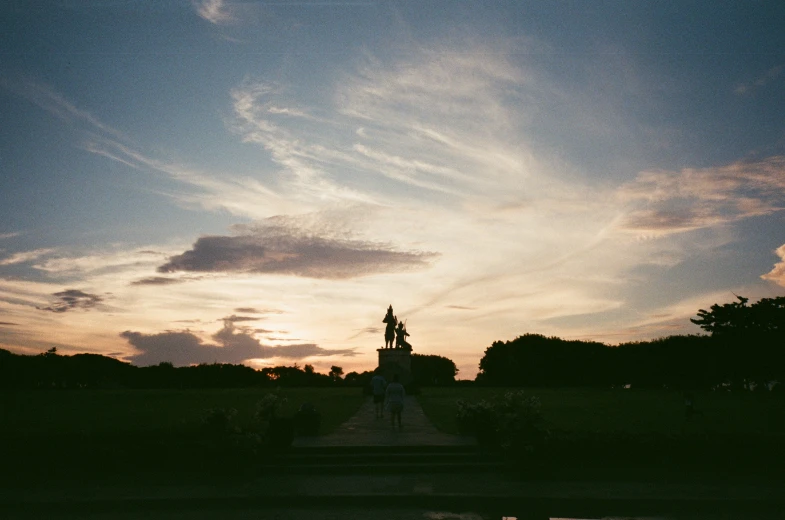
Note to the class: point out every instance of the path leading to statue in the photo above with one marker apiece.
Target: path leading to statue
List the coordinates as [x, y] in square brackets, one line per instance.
[363, 429]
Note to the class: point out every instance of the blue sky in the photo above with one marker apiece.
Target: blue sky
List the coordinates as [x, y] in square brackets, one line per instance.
[255, 182]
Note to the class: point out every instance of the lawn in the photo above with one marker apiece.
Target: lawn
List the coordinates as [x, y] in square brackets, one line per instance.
[62, 435]
[107, 413]
[580, 411]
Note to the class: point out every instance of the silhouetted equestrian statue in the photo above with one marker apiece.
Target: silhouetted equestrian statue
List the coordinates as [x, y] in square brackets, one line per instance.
[395, 361]
[389, 332]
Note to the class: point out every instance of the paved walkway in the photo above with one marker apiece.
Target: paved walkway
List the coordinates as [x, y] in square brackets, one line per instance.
[364, 429]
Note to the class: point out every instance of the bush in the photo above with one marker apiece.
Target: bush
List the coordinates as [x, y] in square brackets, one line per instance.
[277, 431]
[216, 421]
[307, 420]
[476, 418]
[268, 407]
[511, 422]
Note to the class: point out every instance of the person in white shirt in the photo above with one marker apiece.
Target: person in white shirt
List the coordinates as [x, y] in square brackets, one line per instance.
[394, 395]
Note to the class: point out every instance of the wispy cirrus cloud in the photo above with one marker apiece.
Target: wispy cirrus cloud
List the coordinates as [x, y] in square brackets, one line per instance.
[56, 104]
[412, 123]
[97, 262]
[663, 202]
[237, 195]
[26, 256]
[760, 82]
[244, 196]
[294, 139]
[214, 11]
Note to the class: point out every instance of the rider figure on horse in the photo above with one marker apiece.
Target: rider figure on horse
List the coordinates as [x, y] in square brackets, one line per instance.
[389, 332]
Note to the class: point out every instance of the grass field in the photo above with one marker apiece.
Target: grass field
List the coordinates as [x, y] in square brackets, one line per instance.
[149, 412]
[636, 412]
[159, 433]
[565, 410]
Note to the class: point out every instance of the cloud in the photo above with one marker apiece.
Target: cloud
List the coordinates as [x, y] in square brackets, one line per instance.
[54, 103]
[438, 120]
[182, 349]
[237, 195]
[665, 202]
[767, 77]
[234, 318]
[111, 261]
[71, 299]
[777, 274]
[214, 11]
[4, 236]
[366, 330]
[246, 196]
[249, 310]
[26, 256]
[231, 346]
[8, 324]
[296, 141]
[158, 280]
[278, 246]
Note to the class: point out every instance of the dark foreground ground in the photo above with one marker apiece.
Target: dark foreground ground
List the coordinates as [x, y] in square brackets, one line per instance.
[94, 462]
[434, 496]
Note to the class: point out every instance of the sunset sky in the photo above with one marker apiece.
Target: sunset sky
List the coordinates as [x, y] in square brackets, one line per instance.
[251, 181]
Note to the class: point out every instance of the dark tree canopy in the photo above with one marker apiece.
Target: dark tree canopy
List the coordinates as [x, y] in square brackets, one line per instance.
[747, 340]
[766, 316]
[746, 349]
[535, 360]
[432, 370]
[336, 373]
[52, 371]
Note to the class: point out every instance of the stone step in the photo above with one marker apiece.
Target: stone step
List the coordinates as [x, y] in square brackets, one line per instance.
[389, 467]
[377, 450]
[381, 458]
[387, 459]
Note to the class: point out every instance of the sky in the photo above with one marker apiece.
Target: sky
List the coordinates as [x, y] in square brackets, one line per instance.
[256, 181]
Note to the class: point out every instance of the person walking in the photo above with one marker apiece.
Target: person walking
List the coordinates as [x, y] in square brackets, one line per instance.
[378, 385]
[394, 396]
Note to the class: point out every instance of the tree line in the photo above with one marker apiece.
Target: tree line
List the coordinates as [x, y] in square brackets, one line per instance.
[745, 349]
[50, 370]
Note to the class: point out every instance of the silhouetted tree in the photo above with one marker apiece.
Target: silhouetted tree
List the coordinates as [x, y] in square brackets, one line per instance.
[534, 360]
[680, 362]
[748, 340]
[336, 373]
[362, 379]
[431, 370]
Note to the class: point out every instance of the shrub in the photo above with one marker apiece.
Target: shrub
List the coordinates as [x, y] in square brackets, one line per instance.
[268, 407]
[511, 422]
[276, 431]
[216, 421]
[475, 418]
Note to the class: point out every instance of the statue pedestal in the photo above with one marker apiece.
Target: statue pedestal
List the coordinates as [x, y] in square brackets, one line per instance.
[396, 361]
